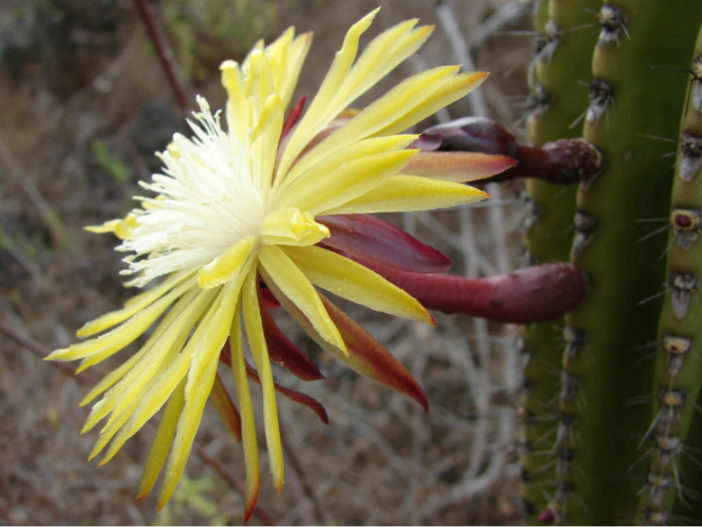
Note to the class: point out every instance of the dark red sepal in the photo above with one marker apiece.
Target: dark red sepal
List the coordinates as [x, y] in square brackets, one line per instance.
[367, 237]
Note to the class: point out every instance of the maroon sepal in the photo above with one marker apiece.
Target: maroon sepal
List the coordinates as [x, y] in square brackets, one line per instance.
[370, 358]
[293, 395]
[367, 237]
[293, 115]
[284, 353]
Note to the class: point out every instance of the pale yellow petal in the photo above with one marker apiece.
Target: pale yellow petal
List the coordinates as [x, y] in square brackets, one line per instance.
[286, 57]
[353, 281]
[161, 443]
[379, 58]
[228, 265]
[347, 182]
[121, 228]
[291, 226]
[298, 179]
[237, 111]
[437, 96]
[265, 137]
[407, 193]
[380, 114]
[132, 306]
[199, 384]
[248, 426]
[294, 284]
[319, 111]
[101, 347]
[163, 347]
[258, 81]
[259, 351]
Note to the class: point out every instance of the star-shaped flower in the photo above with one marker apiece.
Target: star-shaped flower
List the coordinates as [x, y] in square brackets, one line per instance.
[241, 213]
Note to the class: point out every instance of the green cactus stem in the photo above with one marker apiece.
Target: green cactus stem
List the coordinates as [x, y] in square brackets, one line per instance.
[560, 63]
[678, 372]
[628, 98]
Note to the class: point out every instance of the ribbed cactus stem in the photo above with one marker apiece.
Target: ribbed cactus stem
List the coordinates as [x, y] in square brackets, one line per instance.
[678, 373]
[628, 99]
[561, 61]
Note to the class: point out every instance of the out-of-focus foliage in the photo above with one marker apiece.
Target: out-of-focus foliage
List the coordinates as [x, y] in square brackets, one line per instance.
[208, 32]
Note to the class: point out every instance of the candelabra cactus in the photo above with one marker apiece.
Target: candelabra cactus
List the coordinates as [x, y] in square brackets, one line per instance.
[615, 445]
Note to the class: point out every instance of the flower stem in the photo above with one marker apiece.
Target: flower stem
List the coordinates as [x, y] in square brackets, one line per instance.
[533, 294]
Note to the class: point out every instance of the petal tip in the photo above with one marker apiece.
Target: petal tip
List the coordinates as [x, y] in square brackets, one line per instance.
[56, 354]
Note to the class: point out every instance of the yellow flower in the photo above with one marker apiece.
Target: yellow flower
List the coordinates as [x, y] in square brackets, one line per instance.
[237, 210]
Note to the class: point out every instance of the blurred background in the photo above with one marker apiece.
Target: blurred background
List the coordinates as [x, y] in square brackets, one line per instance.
[84, 104]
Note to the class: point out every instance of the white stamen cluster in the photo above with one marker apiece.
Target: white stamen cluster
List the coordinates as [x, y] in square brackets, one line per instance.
[206, 201]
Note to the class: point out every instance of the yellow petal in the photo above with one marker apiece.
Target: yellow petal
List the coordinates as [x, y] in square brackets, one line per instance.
[121, 228]
[298, 179]
[407, 193]
[347, 182]
[161, 442]
[227, 265]
[237, 111]
[199, 383]
[286, 57]
[129, 422]
[109, 432]
[165, 344]
[436, 96]
[281, 270]
[259, 351]
[380, 114]
[132, 306]
[319, 111]
[101, 347]
[270, 114]
[111, 378]
[264, 139]
[291, 226]
[379, 58]
[248, 426]
[143, 404]
[353, 281]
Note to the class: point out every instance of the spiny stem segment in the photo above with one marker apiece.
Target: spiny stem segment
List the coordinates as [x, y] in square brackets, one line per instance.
[673, 476]
[627, 99]
[561, 60]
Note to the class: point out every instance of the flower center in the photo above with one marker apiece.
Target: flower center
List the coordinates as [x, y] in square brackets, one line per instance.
[206, 201]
